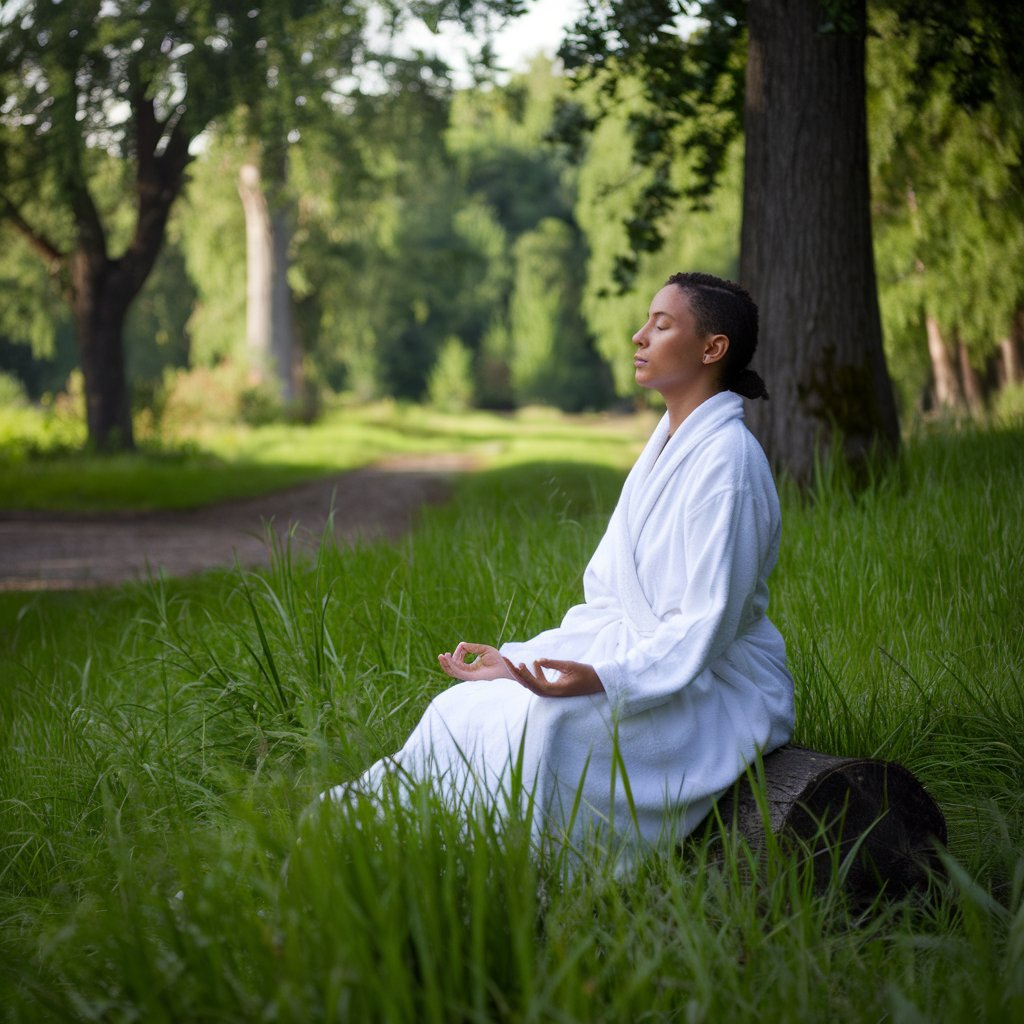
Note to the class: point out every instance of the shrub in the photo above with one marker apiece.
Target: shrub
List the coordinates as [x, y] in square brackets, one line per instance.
[12, 391]
[220, 394]
[1008, 407]
[450, 384]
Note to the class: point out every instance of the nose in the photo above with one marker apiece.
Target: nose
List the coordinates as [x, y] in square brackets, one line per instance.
[640, 338]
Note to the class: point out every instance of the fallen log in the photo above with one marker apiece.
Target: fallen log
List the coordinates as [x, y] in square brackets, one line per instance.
[874, 815]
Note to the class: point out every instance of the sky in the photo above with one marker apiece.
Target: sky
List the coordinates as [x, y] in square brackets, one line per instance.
[539, 30]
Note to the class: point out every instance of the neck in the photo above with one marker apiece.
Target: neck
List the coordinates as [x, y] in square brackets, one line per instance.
[680, 406]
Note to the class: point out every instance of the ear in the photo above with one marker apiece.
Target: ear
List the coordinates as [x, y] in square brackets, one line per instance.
[715, 347]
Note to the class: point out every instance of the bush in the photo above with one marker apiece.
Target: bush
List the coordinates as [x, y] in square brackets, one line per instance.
[215, 395]
[69, 404]
[1008, 407]
[53, 429]
[12, 391]
[258, 404]
[450, 384]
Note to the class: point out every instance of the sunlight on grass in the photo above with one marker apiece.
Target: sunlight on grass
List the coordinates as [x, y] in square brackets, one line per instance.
[245, 461]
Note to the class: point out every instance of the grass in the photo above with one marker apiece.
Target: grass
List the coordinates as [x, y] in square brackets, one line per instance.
[158, 747]
[40, 468]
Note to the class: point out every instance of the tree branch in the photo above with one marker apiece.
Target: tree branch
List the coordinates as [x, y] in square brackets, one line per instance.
[147, 130]
[47, 250]
[158, 180]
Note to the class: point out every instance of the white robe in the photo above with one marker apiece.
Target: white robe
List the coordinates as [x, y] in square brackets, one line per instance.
[673, 622]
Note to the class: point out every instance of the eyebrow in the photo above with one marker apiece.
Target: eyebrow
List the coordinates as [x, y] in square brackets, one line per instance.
[660, 312]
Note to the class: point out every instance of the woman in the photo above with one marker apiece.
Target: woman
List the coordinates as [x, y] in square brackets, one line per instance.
[652, 696]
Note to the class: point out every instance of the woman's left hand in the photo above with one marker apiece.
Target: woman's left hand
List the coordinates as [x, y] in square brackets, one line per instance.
[574, 680]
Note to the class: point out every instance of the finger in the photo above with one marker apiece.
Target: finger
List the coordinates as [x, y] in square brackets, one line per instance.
[540, 675]
[558, 666]
[465, 648]
[538, 682]
[521, 675]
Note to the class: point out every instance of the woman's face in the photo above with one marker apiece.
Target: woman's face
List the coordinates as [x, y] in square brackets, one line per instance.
[671, 356]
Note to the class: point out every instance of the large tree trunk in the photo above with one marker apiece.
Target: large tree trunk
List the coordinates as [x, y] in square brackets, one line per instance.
[944, 377]
[806, 251]
[99, 308]
[269, 329]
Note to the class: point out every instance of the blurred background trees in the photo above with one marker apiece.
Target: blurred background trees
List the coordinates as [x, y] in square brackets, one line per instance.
[245, 210]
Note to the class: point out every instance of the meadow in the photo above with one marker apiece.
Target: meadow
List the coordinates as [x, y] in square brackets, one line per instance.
[160, 744]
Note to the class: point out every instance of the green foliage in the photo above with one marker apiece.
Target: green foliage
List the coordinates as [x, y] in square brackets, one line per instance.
[160, 749]
[684, 92]
[706, 240]
[29, 433]
[104, 102]
[1008, 408]
[421, 212]
[32, 308]
[212, 229]
[36, 315]
[551, 358]
[500, 141]
[949, 218]
[155, 332]
[450, 385]
[12, 392]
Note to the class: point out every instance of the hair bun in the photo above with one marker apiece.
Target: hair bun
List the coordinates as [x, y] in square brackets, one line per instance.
[749, 384]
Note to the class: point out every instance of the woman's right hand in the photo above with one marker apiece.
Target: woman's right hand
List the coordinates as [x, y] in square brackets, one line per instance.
[487, 663]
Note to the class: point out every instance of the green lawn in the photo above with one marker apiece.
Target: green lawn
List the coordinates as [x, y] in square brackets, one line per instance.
[39, 471]
[159, 742]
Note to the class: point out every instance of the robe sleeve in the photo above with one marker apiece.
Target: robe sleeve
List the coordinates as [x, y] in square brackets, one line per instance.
[725, 541]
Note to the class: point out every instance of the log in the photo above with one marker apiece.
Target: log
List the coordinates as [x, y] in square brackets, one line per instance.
[873, 813]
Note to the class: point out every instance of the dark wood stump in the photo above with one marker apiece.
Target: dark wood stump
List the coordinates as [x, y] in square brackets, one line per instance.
[874, 815]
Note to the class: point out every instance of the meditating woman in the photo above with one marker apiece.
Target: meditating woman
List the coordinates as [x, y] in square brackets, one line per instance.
[654, 694]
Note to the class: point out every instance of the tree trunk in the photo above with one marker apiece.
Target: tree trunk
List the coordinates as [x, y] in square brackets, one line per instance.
[259, 273]
[269, 333]
[970, 382]
[947, 387]
[1009, 350]
[806, 250]
[99, 305]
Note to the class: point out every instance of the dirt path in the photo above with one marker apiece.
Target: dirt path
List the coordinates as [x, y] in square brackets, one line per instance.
[65, 551]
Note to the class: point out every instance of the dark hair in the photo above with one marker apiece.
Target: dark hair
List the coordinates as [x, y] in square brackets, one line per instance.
[723, 307]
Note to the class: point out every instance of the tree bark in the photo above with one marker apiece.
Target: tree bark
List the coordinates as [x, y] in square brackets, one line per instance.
[806, 250]
[880, 820]
[944, 377]
[1009, 350]
[258, 273]
[269, 328]
[970, 382]
[98, 308]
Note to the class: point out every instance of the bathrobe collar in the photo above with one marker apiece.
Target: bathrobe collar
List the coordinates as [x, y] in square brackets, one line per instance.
[658, 463]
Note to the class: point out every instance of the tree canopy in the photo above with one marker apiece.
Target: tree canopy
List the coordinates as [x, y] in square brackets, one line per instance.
[136, 82]
[511, 231]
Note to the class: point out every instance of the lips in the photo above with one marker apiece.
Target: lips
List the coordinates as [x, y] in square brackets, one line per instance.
[638, 362]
